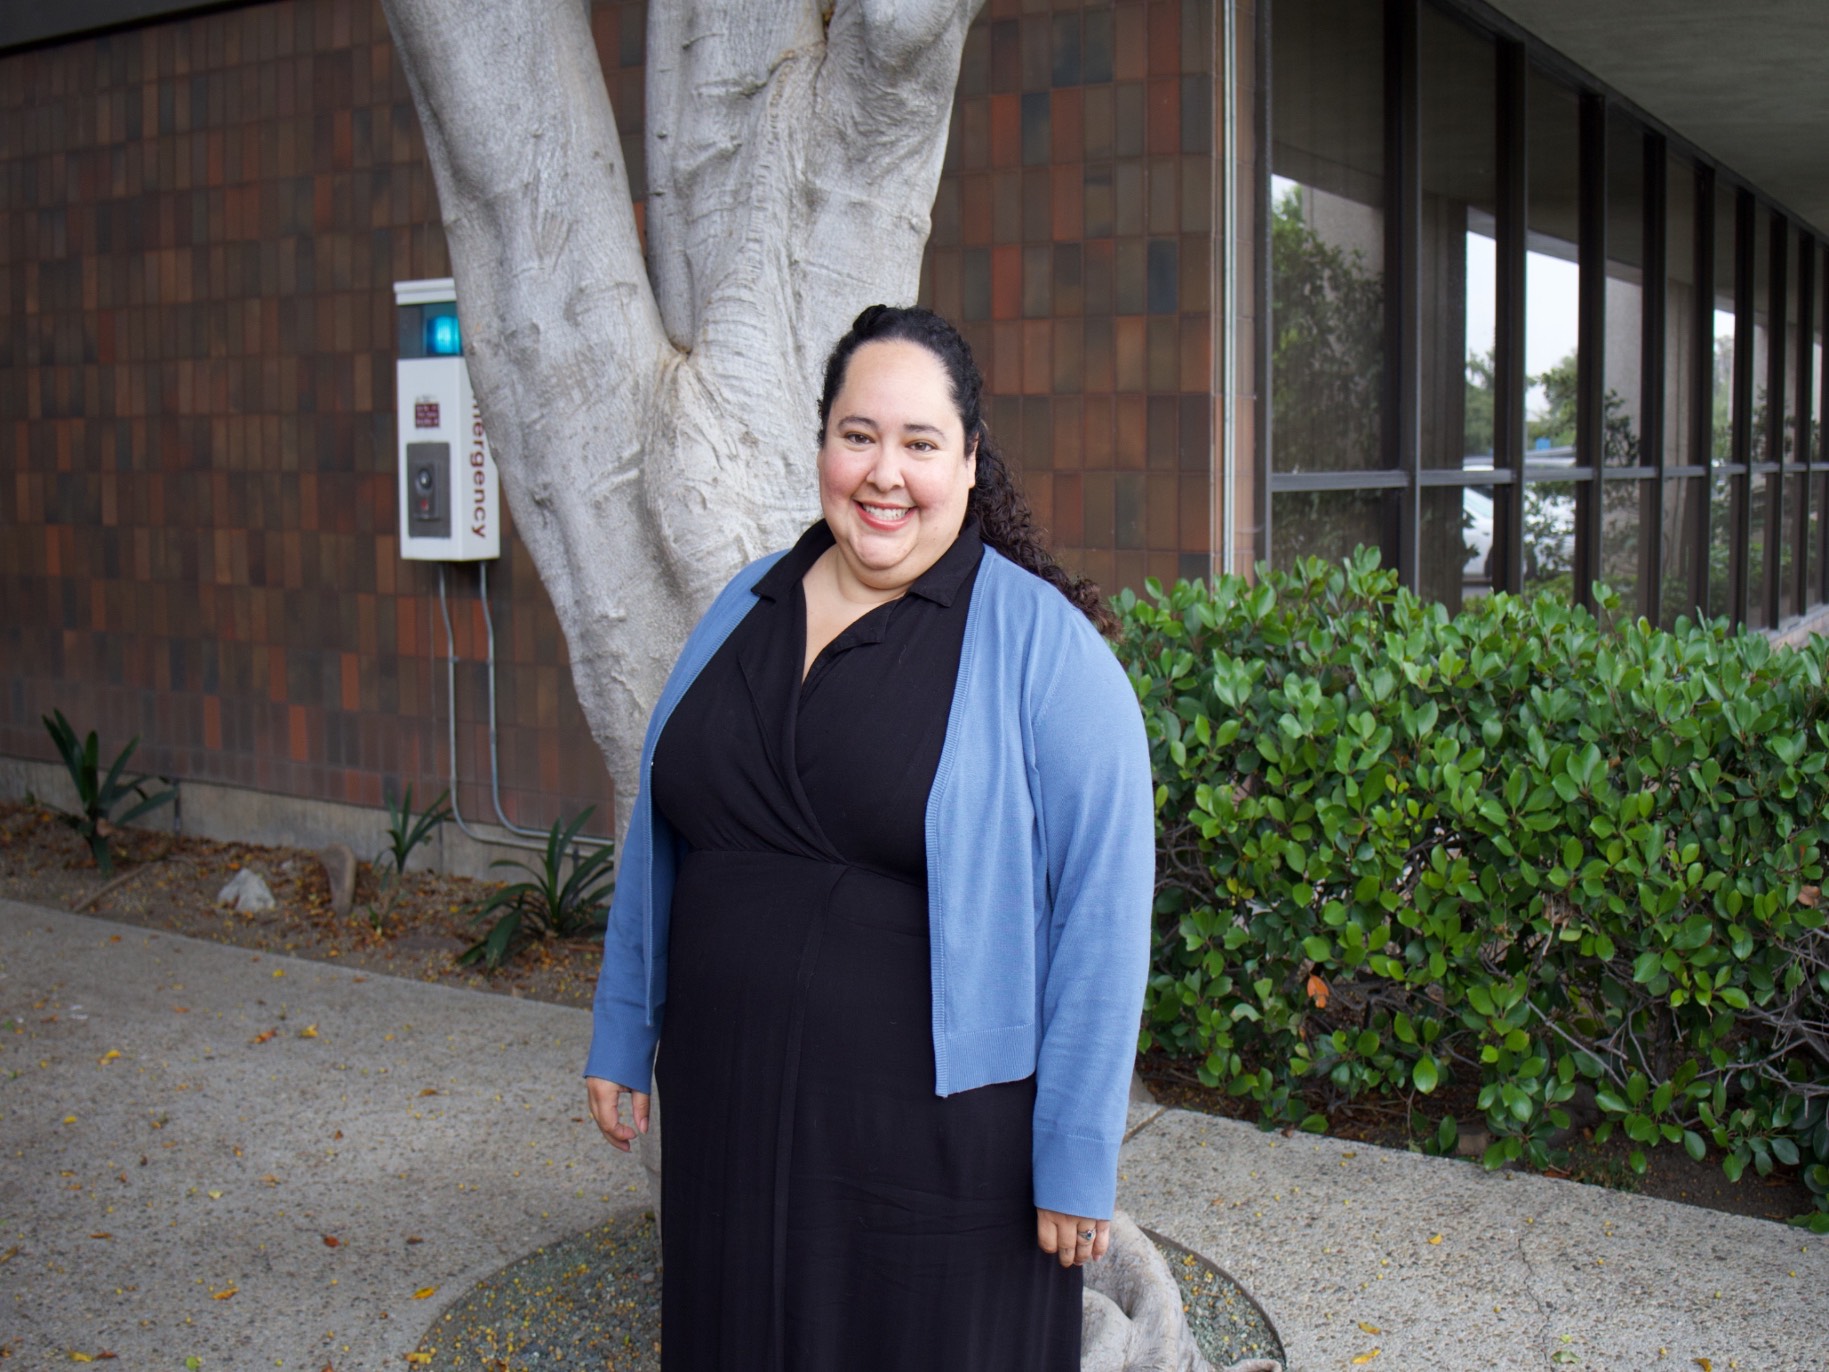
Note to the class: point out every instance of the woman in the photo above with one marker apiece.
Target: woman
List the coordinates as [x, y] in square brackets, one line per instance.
[888, 878]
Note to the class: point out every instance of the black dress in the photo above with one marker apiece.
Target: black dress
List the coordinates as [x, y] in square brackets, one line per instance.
[824, 1210]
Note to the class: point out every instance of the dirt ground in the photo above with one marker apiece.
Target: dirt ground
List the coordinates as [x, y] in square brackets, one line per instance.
[415, 929]
[420, 926]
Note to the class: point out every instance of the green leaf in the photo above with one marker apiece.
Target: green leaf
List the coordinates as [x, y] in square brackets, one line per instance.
[1424, 1075]
[1693, 1145]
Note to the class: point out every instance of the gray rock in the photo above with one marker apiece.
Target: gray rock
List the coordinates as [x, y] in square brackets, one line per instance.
[246, 892]
[340, 872]
[1133, 1280]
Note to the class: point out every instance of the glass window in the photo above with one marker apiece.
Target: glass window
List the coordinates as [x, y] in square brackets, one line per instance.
[1763, 400]
[1788, 545]
[1326, 236]
[1621, 417]
[1681, 499]
[1818, 538]
[1552, 316]
[1723, 491]
[1759, 496]
[1723, 407]
[1796, 353]
[1552, 272]
[1327, 524]
[1549, 538]
[1626, 521]
[1457, 305]
[1680, 314]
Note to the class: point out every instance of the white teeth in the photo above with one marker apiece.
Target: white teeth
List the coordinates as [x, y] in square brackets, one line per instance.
[889, 511]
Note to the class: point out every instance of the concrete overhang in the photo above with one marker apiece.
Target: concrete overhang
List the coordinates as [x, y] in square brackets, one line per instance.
[1747, 82]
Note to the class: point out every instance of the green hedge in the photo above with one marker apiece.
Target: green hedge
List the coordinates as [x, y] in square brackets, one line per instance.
[1518, 849]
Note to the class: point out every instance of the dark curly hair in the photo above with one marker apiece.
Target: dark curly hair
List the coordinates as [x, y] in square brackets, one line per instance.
[1004, 517]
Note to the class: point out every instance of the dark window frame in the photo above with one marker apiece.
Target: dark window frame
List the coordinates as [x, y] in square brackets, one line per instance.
[1403, 475]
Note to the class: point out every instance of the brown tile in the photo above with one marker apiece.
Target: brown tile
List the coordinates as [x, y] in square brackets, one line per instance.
[1129, 342]
[1006, 282]
[1006, 130]
[1037, 281]
[1100, 353]
[1163, 446]
[1098, 428]
[1069, 429]
[1099, 123]
[1131, 430]
[1069, 289]
[1068, 352]
[1067, 219]
[1037, 357]
[1130, 41]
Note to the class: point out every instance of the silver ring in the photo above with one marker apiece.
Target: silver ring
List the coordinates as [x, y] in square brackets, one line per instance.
[1086, 1235]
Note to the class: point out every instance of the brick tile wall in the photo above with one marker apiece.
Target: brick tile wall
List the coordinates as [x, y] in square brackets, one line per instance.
[1073, 240]
[200, 224]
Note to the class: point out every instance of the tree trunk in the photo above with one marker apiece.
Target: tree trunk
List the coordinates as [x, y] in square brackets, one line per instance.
[655, 423]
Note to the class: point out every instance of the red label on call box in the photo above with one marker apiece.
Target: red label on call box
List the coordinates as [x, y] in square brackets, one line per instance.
[425, 414]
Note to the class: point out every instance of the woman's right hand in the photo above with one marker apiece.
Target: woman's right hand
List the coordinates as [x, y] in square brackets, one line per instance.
[604, 1097]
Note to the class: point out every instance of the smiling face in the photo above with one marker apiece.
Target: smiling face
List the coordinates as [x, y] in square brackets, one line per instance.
[893, 470]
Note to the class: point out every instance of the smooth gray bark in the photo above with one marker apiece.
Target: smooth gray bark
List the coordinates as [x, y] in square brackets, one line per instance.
[654, 421]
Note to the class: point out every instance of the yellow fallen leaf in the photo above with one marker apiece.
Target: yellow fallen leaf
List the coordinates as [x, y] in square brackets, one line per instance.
[69, 1119]
[425, 1291]
[1705, 1365]
[270, 1179]
[310, 1031]
[81, 1357]
[429, 1091]
[1365, 1357]
[279, 971]
[215, 1195]
[1437, 1238]
[224, 1294]
[1370, 1328]
[110, 1055]
[419, 1357]
[101, 1236]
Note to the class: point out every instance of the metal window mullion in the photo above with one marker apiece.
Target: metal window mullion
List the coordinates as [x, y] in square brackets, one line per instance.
[1745, 261]
[1651, 372]
[1403, 228]
[1508, 361]
[1590, 366]
[1804, 408]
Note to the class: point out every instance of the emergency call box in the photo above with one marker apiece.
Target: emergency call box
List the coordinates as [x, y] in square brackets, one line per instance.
[450, 499]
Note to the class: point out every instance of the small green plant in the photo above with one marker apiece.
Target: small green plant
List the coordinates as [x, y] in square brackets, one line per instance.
[551, 904]
[406, 831]
[99, 796]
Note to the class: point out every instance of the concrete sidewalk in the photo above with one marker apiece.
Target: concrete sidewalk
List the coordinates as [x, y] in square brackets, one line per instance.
[181, 1199]
[260, 1106]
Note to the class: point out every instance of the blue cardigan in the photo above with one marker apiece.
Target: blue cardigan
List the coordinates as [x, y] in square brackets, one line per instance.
[1040, 876]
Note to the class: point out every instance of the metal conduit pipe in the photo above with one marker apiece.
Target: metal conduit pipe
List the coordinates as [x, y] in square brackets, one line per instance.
[495, 767]
[1228, 439]
[444, 613]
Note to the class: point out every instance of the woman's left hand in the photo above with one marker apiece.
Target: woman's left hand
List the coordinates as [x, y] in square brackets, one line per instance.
[1065, 1236]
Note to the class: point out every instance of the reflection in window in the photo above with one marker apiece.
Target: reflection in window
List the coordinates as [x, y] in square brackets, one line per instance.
[1787, 546]
[1457, 305]
[1680, 330]
[1762, 340]
[1722, 426]
[1758, 489]
[1326, 236]
[1723, 491]
[1620, 418]
[1818, 532]
[1549, 538]
[1626, 520]
[1680, 526]
[1326, 524]
[1552, 275]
